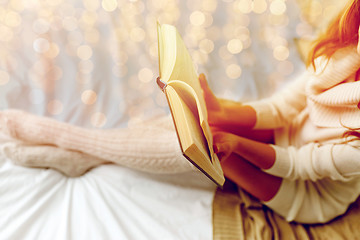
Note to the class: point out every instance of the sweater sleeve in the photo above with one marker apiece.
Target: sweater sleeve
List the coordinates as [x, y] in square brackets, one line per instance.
[315, 161]
[278, 110]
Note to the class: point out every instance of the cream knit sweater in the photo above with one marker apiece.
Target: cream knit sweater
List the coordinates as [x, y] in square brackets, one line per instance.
[321, 171]
[310, 116]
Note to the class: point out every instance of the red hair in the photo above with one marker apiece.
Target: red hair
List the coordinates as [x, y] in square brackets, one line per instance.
[342, 32]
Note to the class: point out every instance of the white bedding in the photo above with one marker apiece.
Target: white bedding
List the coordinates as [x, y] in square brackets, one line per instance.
[110, 202]
[93, 64]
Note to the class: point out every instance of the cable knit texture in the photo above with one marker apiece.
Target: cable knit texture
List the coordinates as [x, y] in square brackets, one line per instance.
[151, 146]
[320, 169]
[333, 95]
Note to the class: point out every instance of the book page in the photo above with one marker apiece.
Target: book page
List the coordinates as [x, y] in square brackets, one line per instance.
[192, 140]
[186, 122]
[188, 95]
[166, 50]
[176, 65]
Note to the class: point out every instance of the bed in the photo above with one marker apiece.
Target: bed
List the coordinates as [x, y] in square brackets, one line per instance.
[93, 64]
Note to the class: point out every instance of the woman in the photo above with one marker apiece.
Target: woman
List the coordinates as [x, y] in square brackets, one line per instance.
[299, 151]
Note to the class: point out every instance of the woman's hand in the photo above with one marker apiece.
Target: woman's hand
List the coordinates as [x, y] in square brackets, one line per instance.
[224, 143]
[224, 113]
[259, 154]
[215, 106]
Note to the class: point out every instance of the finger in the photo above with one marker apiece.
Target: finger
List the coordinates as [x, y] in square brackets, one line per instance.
[205, 86]
[216, 119]
[225, 142]
[222, 156]
[203, 81]
[221, 136]
[215, 129]
[358, 46]
[217, 135]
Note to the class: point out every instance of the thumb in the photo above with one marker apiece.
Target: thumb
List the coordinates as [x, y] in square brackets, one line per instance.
[210, 98]
[203, 82]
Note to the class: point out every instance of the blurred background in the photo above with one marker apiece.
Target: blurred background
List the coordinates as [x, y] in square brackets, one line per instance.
[93, 63]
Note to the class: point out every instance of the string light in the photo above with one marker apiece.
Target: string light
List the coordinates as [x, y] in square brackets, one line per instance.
[235, 46]
[109, 5]
[41, 45]
[88, 97]
[118, 38]
[278, 7]
[98, 119]
[84, 52]
[281, 53]
[233, 71]
[197, 18]
[146, 75]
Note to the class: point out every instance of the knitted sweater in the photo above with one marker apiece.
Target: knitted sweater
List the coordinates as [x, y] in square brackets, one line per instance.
[309, 117]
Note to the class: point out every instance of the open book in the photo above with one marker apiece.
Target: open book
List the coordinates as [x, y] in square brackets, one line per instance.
[179, 81]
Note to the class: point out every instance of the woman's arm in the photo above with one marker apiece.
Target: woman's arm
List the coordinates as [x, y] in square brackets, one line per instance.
[226, 113]
[315, 161]
[312, 161]
[269, 113]
[242, 160]
[280, 109]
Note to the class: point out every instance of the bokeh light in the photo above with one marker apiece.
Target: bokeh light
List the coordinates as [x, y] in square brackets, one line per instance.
[97, 44]
[41, 45]
[260, 6]
[197, 18]
[12, 19]
[88, 97]
[109, 5]
[146, 75]
[206, 46]
[233, 71]
[84, 52]
[244, 6]
[278, 7]
[98, 119]
[281, 53]
[235, 46]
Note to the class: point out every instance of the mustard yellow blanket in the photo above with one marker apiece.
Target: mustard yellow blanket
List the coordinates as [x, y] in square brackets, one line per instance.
[237, 215]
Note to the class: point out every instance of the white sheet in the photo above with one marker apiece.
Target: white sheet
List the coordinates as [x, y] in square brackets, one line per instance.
[110, 202]
[93, 64]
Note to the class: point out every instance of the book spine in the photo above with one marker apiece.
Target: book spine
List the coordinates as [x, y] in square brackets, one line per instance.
[162, 85]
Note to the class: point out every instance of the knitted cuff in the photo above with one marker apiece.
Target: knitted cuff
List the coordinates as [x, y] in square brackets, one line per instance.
[283, 165]
[264, 115]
